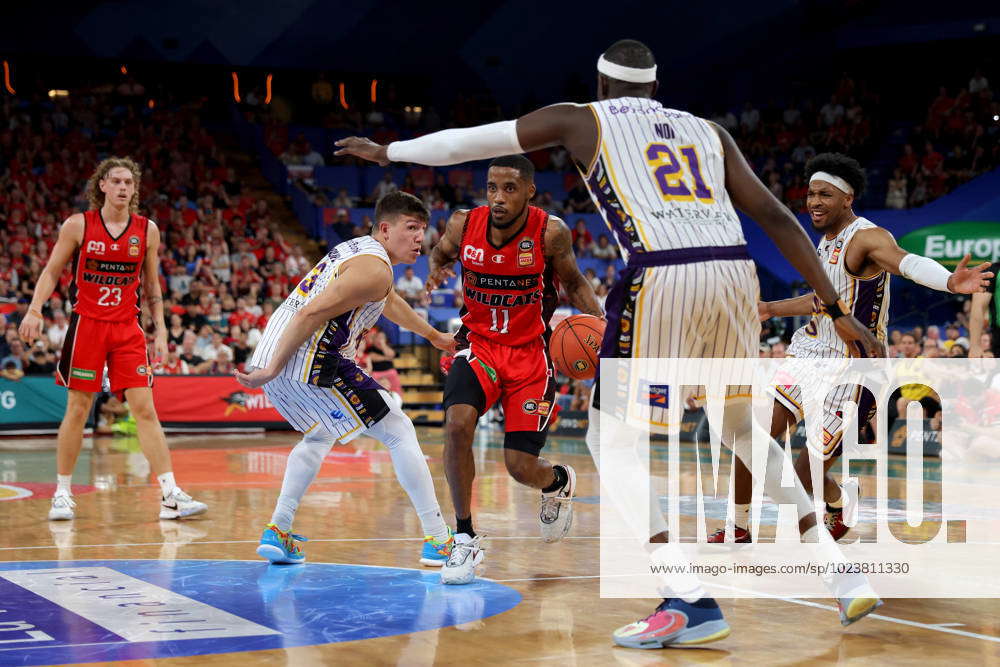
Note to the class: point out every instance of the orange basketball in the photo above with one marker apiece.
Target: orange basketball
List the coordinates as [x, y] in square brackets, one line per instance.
[575, 344]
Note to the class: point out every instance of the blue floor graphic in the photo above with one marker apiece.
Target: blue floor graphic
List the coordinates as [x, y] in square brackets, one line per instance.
[99, 610]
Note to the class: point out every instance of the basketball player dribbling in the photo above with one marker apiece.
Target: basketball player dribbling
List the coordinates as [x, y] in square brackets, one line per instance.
[513, 257]
[667, 184]
[112, 249]
[858, 257]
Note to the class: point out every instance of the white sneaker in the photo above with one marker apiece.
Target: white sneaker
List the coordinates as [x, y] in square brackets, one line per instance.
[851, 491]
[62, 507]
[465, 556]
[556, 513]
[178, 505]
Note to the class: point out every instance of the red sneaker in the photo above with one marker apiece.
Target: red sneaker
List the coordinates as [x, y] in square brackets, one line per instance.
[740, 536]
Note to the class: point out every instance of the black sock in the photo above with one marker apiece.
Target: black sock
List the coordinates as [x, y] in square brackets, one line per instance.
[833, 510]
[464, 526]
[561, 479]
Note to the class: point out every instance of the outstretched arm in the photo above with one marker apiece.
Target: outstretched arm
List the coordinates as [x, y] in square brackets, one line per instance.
[570, 125]
[400, 312]
[361, 280]
[879, 247]
[559, 251]
[750, 196]
[799, 305]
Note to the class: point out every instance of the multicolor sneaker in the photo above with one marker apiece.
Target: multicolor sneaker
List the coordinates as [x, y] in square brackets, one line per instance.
[675, 623]
[854, 609]
[436, 552]
[740, 536]
[556, 513]
[279, 547]
[62, 507]
[179, 505]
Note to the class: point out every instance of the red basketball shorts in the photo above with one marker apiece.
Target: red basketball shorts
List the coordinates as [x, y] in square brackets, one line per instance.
[91, 344]
[521, 378]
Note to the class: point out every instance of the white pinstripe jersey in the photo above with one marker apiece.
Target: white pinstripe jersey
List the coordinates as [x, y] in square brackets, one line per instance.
[659, 178]
[867, 297]
[341, 334]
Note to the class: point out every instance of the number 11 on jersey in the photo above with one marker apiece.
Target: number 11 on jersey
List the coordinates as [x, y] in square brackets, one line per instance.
[500, 315]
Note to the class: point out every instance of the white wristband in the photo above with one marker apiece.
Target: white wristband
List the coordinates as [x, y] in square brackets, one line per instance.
[458, 145]
[925, 271]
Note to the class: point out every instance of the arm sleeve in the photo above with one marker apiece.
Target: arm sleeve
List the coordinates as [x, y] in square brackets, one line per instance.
[925, 271]
[458, 145]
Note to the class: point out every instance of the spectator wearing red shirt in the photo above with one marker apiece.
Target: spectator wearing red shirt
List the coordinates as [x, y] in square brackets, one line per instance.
[580, 231]
[241, 316]
[908, 161]
[932, 159]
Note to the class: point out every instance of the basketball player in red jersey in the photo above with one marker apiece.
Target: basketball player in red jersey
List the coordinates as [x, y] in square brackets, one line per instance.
[112, 249]
[512, 256]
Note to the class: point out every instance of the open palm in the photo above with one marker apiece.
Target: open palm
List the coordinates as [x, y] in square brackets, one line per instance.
[969, 281]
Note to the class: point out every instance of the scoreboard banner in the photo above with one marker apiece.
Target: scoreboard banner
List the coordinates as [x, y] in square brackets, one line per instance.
[212, 401]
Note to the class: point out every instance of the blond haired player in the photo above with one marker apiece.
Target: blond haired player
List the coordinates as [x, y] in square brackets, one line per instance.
[114, 251]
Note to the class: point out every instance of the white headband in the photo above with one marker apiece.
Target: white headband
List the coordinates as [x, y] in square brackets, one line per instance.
[623, 73]
[836, 181]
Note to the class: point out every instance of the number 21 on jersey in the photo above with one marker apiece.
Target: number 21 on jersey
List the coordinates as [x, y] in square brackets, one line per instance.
[670, 173]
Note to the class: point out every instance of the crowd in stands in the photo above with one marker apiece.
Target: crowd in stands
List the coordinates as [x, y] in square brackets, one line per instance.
[958, 140]
[224, 267]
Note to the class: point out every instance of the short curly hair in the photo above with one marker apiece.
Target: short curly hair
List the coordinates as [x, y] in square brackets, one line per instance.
[842, 166]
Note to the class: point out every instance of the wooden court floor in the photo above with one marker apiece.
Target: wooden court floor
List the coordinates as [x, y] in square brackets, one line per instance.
[356, 513]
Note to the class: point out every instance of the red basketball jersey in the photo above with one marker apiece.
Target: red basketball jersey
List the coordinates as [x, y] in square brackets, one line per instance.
[509, 289]
[107, 270]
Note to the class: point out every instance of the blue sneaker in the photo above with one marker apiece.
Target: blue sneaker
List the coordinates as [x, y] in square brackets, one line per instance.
[675, 623]
[435, 552]
[279, 547]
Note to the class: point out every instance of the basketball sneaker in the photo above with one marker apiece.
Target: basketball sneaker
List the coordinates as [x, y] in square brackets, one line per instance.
[466, 554]
[279, 547]
[675, 623]
[854, 609]
[556, 513]
[740, 536]
[62, 507]
[178, 505]
[436, 552]
[836, 519]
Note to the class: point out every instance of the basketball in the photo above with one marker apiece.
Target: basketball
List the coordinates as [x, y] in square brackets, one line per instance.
[575, 344]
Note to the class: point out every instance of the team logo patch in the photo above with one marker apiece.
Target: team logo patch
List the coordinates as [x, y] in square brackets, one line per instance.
[83, 374]
[544, 407]
[497, 259]
[581, 365]
[525, 259]
[359, 377]
[530, 406]
[526, 244]
[133, 251]
[474, 255]
[141, 370]
[836, 251]
[625, 326]
[133, 240]
[355, 400]
[336, 414]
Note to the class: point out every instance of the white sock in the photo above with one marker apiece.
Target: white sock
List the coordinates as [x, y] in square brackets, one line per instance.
[396, 432]
[304, 462]
[167, 483]
[63, 483]
[742, 517]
